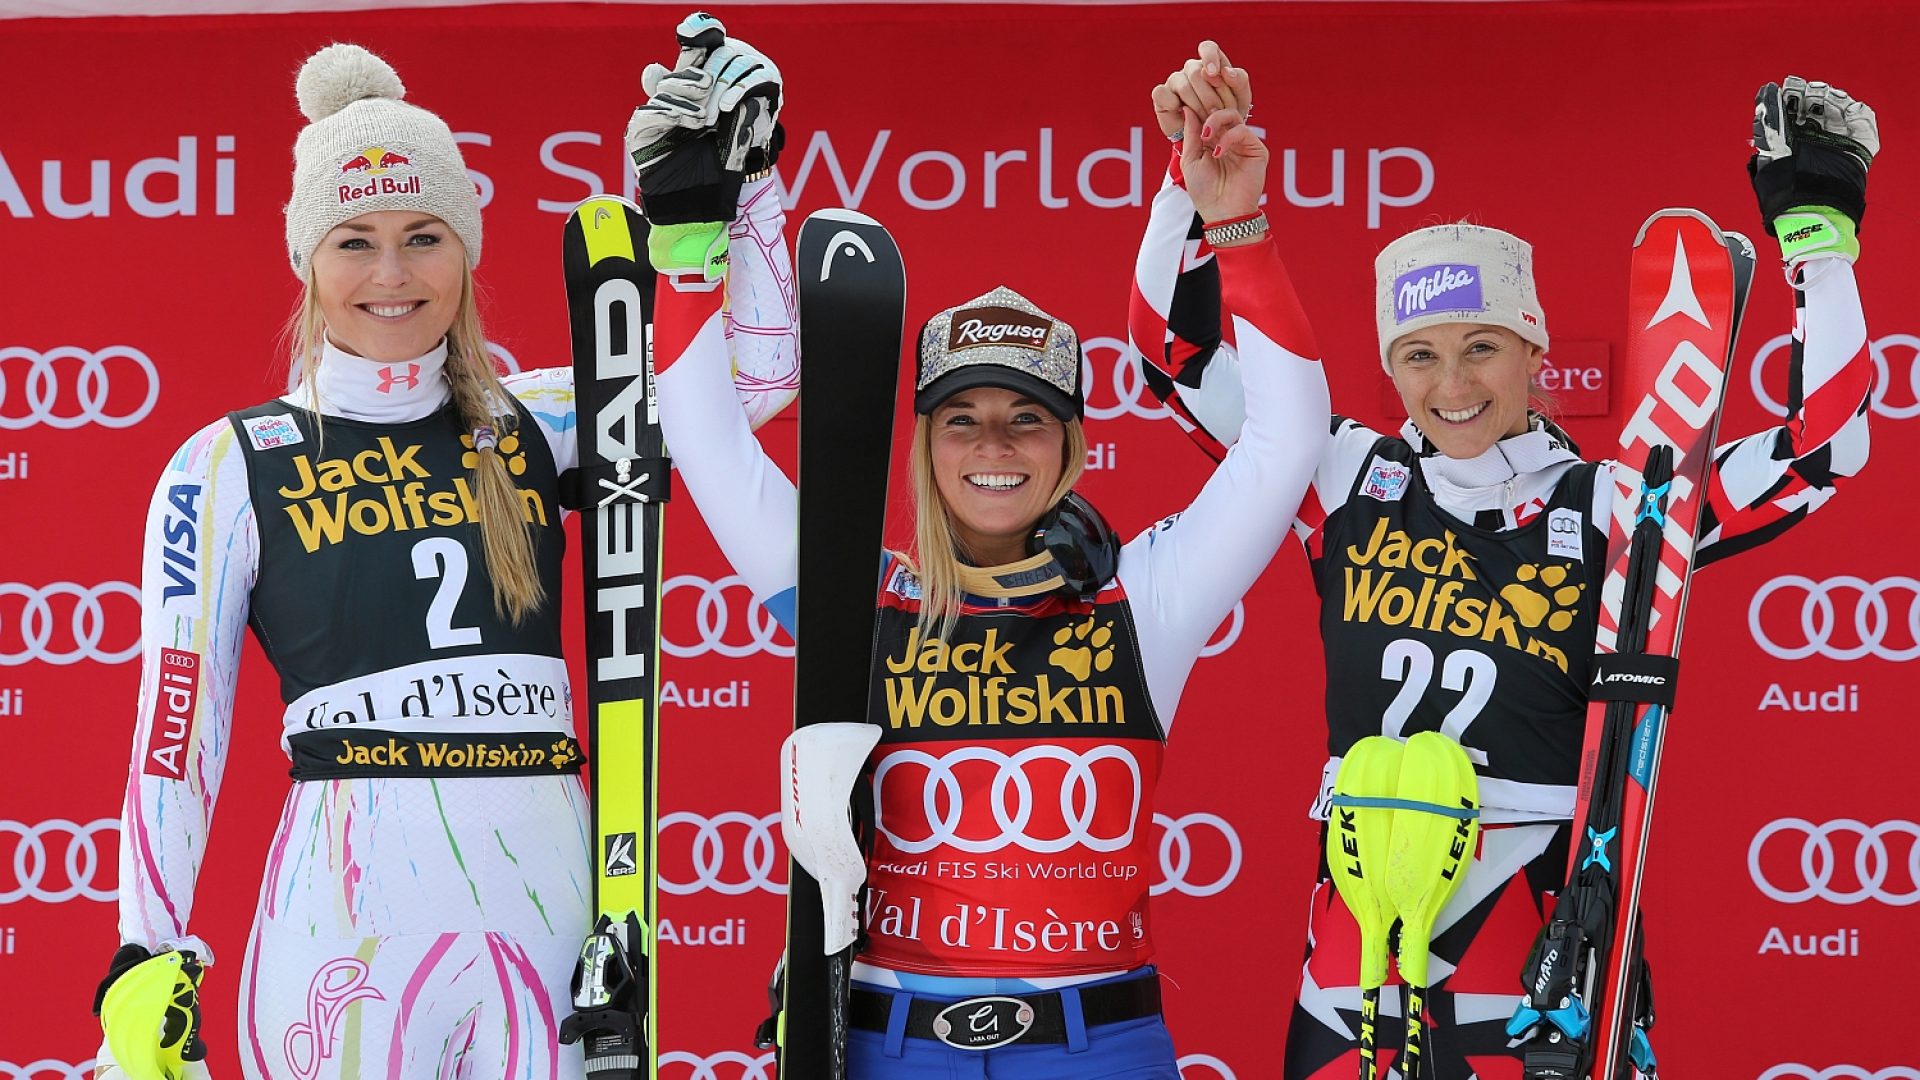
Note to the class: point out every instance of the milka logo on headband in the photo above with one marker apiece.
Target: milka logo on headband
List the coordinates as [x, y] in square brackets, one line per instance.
[975, 328]
[1429, 289]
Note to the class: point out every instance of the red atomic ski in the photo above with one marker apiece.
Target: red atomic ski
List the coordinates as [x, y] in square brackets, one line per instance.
[1588, 1007]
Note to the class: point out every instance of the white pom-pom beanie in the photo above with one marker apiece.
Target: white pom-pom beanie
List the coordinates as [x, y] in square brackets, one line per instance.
[1455, 274]
[366, 150]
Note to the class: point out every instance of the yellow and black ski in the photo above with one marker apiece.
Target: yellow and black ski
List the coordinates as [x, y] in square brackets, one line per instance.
[623, 482]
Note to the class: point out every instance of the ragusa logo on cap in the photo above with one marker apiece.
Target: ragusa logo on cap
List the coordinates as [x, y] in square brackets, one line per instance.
[974, 328]
[1430, 289]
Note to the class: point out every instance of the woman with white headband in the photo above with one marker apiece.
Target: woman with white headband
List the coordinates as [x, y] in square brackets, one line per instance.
[1484, 498]
[1064, 650]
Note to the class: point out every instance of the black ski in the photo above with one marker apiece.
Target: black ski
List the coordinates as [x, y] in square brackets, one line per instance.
[623, 482]
[853, 292]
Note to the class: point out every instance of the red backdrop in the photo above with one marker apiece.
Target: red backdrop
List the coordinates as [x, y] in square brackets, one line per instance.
[143, 164]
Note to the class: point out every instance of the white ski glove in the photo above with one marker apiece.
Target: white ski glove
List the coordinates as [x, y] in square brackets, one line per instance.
[1813, 144]
[718, 84]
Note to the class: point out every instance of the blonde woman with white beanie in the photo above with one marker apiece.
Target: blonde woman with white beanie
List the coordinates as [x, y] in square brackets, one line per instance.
[390, 530]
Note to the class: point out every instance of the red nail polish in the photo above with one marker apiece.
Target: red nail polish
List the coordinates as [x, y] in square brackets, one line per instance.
[1207, 132]
[1217, 150]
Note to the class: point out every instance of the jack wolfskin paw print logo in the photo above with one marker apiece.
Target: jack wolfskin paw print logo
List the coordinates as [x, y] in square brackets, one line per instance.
[509, 451]
[1544, 595]
[1083, 648]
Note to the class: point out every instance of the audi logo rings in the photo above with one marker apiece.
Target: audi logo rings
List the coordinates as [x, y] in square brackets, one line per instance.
[47, 1069]
[1882, 372]
[759, 854]
[1874, 866]
[1130, 394]
[71, 847]
[1216, 1069]
[86, 624]
[713, 619]
[1080, 795]
[31, 385]
[1796, 1071]
[750, 1067]
[1176, 854]
[1228, 633]
[1873, 621]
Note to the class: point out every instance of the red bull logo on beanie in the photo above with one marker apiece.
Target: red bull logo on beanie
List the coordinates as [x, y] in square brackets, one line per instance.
[366, 174]
[1443, 287]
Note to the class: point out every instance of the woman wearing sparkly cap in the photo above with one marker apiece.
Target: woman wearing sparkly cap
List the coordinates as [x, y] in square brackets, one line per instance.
[390, 530]
[1008, 671]
[1483, 508]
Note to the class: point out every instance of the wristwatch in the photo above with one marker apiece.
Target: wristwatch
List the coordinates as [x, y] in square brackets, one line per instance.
[1238, 229]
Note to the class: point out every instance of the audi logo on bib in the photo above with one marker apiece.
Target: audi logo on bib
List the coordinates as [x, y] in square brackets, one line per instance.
[1842, 861]
[1097, 795]
[1893, 355]
[64, 623]
[734, 853]
[1840, 618]
[1125, 390]
[58, 860]
[69, 387]
[713, 841]
[725, 1065]
[726, 619]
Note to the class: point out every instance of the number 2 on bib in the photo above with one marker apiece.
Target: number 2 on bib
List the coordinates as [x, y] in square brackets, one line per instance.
[445, 558]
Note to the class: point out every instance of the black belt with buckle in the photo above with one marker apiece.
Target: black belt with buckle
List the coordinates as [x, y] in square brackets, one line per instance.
[995, 1020]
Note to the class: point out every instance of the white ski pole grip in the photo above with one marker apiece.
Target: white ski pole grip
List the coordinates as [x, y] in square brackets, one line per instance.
[818, 766]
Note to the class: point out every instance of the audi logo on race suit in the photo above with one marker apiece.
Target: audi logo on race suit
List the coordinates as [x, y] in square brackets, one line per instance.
[725, 1065]
[58, 860]
[1796, 1071]
[47, 1069]
[63, 622]
[725, 619]
[734, 853]
[69, 387]
[1123, 391]
[713, 842]
[1841, 861]
[1192, 841]
[1228, 633]
[1089, 779]
[1889, 354]
[1208, 1068]
[1840, 618]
